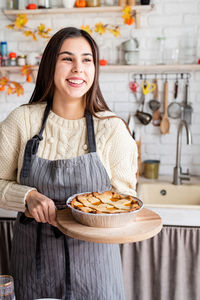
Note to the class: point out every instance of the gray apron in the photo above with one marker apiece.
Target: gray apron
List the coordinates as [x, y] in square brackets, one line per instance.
[44, 262]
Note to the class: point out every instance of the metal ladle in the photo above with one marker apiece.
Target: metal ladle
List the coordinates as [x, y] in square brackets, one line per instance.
[143, 117]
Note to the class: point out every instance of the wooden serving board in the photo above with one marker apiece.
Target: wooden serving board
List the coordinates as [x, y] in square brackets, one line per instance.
[146, 225]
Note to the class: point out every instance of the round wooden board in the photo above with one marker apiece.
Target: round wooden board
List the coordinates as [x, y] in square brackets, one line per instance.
[146, 225]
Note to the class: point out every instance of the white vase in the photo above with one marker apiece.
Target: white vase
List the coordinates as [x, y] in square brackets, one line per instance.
[68, 3]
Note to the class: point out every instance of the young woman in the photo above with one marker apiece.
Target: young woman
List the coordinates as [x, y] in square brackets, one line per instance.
[66, 141]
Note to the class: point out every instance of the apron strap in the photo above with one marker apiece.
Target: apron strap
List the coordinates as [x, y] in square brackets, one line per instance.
[45, 116]
[32, 146]
[38, 254]
[90, 132]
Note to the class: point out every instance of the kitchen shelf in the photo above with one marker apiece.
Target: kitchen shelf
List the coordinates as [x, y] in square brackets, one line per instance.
[138, 9]
[17, 69]
[100, 9]
[123, 68]
[151, 68]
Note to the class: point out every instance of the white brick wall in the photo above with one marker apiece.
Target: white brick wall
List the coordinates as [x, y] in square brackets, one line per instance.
[173, 19]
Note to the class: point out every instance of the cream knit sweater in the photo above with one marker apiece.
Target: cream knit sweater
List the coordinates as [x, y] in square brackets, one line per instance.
[62, 139]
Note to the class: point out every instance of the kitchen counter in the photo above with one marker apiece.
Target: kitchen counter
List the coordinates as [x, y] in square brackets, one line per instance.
[169, 179]
[4, 213]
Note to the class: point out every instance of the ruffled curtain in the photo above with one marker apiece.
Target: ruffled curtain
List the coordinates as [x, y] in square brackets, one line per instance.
[165, 267]
[6, 235]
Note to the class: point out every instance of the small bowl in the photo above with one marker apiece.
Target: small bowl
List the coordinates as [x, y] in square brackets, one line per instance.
[103, 220]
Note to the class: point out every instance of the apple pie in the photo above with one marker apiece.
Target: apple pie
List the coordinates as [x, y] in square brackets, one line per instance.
[107, 202]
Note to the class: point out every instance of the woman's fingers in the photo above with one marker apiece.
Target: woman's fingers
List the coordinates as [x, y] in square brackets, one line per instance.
[50, 212]
[41, 208]
[52, 215]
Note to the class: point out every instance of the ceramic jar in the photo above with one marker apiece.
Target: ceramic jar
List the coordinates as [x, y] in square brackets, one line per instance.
[68, 3]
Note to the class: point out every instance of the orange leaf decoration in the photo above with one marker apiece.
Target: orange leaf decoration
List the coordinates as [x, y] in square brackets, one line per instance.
[127, 15]
[4, 81]
[10, 26]
[2, 88]
[129, 21]
[42, 31]
[30, 33]
[20, 25]
[19, 90]
[9, 90]
[26, 70]
[86, 28]
[21, 21]
[29, 78]
[100, 28]
[115, 31]
[13, 87]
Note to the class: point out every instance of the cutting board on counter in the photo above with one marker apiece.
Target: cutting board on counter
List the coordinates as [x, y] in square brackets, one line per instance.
[146, 225]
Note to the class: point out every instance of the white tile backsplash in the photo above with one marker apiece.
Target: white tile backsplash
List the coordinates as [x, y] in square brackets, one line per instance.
[172, 19]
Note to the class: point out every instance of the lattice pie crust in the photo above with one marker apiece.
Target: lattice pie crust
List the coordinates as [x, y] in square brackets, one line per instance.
[107, 202]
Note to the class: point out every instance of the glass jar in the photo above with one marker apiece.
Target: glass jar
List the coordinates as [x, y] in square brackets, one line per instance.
[21, 4]
[12, 4]
[44, 4]
[7, 287]
[12, 59]
[21, 60]
[109, 2]
[93, 3]
[4, 49]
[160, 50]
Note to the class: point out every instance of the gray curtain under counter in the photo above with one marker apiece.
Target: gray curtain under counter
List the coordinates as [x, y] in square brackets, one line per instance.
[165, 267]
[6, 235]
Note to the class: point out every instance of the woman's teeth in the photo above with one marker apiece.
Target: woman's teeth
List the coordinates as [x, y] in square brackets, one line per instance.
[75, 81]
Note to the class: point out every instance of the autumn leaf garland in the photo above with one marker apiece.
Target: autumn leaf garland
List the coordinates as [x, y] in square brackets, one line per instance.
[20, 25]
[101, 28]
[13, 87]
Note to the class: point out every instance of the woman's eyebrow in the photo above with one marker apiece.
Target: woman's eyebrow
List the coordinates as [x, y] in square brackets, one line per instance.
[70, 53]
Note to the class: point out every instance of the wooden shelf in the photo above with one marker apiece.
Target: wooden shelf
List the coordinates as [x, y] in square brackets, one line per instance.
[138, 8]
[124, 68]
[11, 69]
[151, 68]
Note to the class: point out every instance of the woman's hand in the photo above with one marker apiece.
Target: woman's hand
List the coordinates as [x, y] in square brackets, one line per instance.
[41, 207]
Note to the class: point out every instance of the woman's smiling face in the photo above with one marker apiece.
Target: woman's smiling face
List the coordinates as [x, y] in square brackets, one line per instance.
[75, 70]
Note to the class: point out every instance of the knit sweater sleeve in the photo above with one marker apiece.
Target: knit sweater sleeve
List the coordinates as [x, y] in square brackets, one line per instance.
[121, 151]
[12, 194]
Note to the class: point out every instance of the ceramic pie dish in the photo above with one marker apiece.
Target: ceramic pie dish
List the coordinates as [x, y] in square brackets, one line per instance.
[106, 209]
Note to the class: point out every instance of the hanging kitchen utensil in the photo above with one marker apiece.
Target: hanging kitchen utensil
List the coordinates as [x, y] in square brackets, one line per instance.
[131, 124]
[133, 85]
[154, 104]
[147, 87]
[165, 125]
[176, 88]
[186, 109]
[143, 117]
[174, 108]
[156, 118]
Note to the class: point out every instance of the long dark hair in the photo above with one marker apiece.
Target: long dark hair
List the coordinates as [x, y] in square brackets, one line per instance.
[44, 88]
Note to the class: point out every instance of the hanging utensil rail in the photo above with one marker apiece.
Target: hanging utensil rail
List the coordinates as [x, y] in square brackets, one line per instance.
[170, 76]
